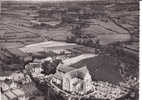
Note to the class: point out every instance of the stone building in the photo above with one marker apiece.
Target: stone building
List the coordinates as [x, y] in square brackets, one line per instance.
[34, 67]
[71, 79]
[74, 80]
[78, 80]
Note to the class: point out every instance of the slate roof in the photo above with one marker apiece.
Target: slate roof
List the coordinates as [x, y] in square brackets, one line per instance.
[67, 64]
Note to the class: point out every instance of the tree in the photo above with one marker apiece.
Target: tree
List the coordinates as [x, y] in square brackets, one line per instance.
[46, 67]
[71, 39]
[50, 67]
[50, 54]
[76, 30]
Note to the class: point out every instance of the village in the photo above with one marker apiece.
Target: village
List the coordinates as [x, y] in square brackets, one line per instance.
[76, 51]
[58, 67]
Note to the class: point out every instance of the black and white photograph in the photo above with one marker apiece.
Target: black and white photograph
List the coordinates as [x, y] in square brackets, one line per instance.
[69, 49]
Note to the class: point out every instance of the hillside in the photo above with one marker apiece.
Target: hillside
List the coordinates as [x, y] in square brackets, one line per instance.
[103, 21]
[102, 68]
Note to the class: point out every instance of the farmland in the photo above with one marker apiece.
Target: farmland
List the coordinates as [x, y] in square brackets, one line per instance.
[100, 22]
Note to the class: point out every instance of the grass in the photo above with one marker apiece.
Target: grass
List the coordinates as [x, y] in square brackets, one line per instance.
[103, 68]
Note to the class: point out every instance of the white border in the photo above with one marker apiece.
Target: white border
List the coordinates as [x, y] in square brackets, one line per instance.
[140, 53]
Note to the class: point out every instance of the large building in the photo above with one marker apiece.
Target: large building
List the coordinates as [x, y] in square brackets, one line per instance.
[75, 80]
[76, 74]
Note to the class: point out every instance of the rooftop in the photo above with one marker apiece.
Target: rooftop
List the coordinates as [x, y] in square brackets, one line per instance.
[68, 62]
[57, 76]
[79, 73]
[18, 92]
[10, 95]
[76, 59]
[66, 69]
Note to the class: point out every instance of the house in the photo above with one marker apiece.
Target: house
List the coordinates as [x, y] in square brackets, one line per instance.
[34, 67]
[8, 84]
[14, 94]
[17, 76]
[19, 93]
[10, 95]
[5, 86]
[29, 89]
[3, 97]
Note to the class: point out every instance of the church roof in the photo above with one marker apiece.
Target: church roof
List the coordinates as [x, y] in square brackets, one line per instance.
[67, 64]
[66, 69]
[78, 73]
[57, 76]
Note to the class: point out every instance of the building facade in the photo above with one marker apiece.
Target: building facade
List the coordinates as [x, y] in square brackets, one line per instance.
[76, 80]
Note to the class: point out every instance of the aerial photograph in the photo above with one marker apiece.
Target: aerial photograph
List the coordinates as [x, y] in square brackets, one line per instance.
[69, 49]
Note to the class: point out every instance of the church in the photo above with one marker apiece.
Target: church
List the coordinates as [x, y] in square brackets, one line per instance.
[71, 79]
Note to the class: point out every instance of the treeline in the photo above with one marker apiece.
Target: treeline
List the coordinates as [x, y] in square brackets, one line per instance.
[10, 61]
[81, 38]
[84, 41]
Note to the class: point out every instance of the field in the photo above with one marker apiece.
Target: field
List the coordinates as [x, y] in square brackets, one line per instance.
[104, 21]
[41, 47]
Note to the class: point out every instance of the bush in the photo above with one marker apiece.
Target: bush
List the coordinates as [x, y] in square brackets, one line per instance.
[50, 67]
